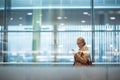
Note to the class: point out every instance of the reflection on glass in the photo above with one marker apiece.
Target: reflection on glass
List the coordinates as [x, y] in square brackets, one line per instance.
[46, 30]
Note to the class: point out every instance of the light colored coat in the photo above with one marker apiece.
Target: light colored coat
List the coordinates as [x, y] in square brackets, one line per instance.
[81, 57]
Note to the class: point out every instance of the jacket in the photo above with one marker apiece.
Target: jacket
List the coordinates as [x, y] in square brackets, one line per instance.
[81, 57]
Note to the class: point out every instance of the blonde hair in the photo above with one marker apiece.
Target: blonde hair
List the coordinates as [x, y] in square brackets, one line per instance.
[81, 39]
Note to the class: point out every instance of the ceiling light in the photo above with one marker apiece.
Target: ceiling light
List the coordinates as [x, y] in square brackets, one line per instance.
[59, 17]
[112, 18]
[85, 13]
[29, 13]
[11, 19]
[83, 21]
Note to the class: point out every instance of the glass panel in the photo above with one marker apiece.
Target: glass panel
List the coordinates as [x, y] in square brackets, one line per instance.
[24, 47]
[105, 45]
[66, 43]
[116, 54]
[45, 25]
[1, 46]
[1, 28]
[19, 46]
[107, 31]
[46, 30]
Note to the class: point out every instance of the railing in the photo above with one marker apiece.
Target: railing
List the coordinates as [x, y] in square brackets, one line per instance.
[59, 73]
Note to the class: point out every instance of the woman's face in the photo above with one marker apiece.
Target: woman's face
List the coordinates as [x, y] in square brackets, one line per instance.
[80, 43]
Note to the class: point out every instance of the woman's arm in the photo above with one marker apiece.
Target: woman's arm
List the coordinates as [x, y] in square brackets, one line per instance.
[83, 55]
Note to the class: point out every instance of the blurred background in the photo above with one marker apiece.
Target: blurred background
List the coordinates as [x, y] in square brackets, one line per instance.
[46, 30]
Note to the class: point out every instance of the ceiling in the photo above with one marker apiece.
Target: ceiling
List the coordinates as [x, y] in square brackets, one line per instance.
[37, 4]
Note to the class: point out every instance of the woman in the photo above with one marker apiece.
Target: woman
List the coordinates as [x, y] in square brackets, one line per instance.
[82, 56]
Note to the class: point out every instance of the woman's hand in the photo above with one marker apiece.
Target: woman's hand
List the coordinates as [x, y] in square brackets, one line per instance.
[73, 51]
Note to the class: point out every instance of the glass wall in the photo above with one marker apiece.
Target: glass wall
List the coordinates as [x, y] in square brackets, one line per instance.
[1, 28]
[46, 30]
[107, 18]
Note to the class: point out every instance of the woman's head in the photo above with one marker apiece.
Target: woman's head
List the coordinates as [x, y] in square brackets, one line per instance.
[80, 42]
